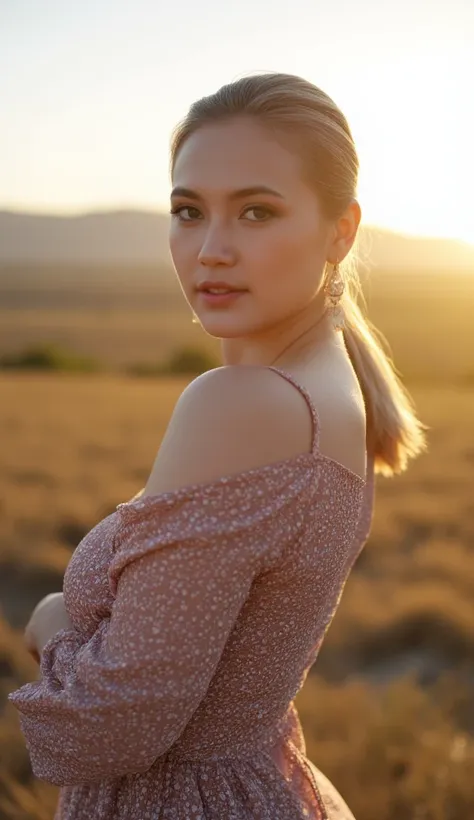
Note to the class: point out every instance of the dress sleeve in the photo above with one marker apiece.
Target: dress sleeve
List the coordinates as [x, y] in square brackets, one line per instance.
[182, 568]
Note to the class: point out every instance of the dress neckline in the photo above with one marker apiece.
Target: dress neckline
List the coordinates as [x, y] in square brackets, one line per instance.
[311, 457]
[168, 497]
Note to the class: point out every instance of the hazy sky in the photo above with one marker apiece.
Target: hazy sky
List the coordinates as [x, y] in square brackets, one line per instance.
[91, 90]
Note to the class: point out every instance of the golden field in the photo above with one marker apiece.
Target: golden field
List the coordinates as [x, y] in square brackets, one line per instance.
[388, 709]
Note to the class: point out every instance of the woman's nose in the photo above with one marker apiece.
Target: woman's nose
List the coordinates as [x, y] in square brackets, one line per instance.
[214, 253]
[216, 245]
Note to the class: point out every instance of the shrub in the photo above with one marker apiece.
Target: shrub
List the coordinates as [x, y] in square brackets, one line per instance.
[185, 361]
[49, 356]
[189, 360]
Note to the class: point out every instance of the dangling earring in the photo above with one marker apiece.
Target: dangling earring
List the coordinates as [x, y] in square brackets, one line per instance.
[335, 288]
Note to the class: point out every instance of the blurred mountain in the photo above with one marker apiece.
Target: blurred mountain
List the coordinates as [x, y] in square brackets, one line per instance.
[108, 237]
[127, 237]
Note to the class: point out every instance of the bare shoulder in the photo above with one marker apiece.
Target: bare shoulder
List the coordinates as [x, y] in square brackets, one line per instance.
[229, 420]
[337, 395]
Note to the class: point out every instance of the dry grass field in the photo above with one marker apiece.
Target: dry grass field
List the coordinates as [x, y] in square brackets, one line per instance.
[387, 709]
[122, 317]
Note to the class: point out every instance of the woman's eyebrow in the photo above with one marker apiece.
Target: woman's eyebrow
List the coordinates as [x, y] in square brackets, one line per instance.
[238, 194]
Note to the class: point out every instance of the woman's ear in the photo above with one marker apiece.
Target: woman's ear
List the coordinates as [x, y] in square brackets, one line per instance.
[345, 232]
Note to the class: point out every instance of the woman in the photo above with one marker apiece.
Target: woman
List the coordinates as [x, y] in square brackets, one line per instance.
[197, 608]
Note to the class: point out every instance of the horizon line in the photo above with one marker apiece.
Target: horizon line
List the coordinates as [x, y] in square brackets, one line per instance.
[128, 208]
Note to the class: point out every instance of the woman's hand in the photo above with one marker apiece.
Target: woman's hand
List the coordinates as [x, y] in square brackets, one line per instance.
[47, 618]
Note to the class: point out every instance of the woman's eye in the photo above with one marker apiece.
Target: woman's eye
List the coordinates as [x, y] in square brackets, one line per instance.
[177, 212]
[259, 208]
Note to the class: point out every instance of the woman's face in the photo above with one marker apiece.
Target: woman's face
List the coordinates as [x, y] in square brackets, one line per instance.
[272, 245]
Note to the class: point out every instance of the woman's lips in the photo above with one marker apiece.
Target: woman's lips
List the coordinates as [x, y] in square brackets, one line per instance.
[219, 299]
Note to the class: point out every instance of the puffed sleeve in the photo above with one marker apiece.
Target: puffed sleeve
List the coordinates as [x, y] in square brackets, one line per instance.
[182, 568]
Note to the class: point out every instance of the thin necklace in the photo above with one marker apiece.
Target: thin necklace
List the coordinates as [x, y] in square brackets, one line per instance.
[324, 313]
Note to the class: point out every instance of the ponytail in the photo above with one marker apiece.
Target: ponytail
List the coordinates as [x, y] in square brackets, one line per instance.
[394, 433]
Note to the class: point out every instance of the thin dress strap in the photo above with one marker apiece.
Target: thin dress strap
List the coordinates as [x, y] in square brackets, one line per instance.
[314, 413]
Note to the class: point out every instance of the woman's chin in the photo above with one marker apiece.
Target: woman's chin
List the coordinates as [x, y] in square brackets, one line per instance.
[224, 322]
[222, 327]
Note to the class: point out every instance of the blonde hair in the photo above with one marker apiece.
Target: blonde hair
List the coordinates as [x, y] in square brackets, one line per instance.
[295, 108]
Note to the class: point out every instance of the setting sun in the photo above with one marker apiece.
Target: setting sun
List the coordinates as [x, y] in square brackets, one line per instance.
[90, 115]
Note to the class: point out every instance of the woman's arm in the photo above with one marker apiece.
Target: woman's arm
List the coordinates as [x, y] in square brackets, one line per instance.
[184, 560]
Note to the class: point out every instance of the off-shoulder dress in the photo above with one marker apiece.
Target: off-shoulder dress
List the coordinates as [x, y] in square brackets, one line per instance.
[197, 614]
